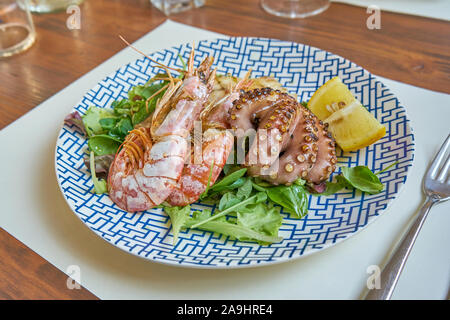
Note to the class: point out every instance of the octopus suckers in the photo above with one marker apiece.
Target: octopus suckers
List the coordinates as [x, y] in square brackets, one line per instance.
[301, 158]
[289, 167]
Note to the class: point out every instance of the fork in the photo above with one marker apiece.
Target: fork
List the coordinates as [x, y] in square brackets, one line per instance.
[437, 189]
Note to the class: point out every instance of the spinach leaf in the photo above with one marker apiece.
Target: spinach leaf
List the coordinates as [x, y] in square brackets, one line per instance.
[103, 144]
[230, 181]
[245, 190]
[228, 200]
[293, 198]
[362, 178]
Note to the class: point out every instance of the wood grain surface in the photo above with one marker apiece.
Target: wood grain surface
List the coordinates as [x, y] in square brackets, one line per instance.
[409, 49]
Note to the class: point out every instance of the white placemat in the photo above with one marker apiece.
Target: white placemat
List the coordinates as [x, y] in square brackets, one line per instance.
[438, 9]
[34, 211]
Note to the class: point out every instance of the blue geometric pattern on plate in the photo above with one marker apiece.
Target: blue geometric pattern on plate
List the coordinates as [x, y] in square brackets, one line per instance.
[301, 69]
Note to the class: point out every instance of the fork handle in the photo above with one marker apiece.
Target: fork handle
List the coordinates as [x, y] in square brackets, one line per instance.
[391, 271]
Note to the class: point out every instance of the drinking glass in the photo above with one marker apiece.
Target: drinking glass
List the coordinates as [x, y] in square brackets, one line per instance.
[44, 6]
[295, 8]
[169, 7]
[16, 27]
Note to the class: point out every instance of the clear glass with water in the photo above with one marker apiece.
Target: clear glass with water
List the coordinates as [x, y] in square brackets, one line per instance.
[16, 27]
[295, 8]
[175, 6]
[43, 6]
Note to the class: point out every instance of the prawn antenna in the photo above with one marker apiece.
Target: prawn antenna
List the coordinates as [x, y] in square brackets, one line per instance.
[154, 61]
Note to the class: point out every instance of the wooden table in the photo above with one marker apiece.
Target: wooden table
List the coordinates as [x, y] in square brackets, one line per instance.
[409, 49]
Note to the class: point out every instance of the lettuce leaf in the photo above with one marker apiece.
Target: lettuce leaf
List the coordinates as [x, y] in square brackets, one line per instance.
[261, 219]
[92, 117]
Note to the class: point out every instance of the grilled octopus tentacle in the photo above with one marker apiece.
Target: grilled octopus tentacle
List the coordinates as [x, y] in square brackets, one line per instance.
[252, 106]
[286, 131]
[300, 153]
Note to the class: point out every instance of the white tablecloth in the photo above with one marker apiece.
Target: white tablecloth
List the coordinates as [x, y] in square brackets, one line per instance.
[34, 211]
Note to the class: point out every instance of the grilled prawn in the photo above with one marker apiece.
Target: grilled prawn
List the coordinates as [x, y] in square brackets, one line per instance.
[217, 145]
[149, 164]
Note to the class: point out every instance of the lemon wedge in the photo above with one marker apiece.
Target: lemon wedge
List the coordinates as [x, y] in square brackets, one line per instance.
[351, 124]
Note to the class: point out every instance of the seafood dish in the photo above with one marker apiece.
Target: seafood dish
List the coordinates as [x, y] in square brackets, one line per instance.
[245, 145]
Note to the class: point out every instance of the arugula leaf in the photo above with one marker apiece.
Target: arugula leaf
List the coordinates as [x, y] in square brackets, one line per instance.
[178, 217]
[293, 198]
[229, 227]
[257, 198]
[208, 185]
[362, 178]
[387, 168]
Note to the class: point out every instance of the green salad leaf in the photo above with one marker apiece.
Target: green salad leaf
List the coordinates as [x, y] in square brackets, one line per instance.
[260, 218]
[103, 144]
[359, 177]
[257, 198]
[92, 117]
[230, 181]
[100, 186]
[244, 191]
[178, 217]
[239, 229]
[362, 178]
[293, 198]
